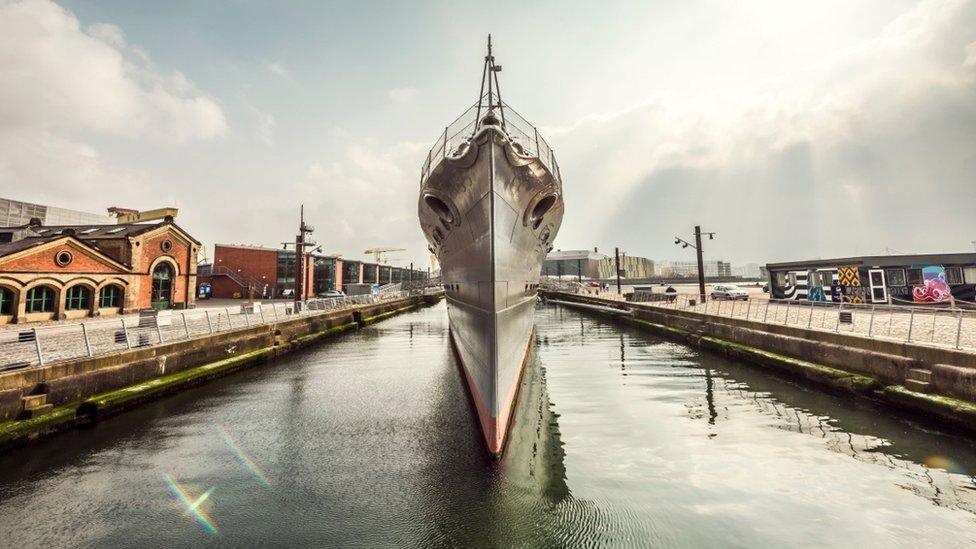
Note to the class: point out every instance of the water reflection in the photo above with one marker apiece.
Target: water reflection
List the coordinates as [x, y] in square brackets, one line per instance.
[740, 408]
[619, 439]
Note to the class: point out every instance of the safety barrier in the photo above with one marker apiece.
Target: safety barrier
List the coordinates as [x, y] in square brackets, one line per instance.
[27, 347]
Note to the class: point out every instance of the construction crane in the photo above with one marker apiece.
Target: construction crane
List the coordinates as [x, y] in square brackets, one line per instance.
[378, 252]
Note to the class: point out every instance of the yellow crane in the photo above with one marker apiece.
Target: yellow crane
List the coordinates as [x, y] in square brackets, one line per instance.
[378, 252]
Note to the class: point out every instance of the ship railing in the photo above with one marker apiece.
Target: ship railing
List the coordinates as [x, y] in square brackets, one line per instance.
[24, 347]
[523, 135]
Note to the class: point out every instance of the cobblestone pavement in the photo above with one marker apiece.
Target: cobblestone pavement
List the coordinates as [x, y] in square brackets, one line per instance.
[939, 327]
[54, 341]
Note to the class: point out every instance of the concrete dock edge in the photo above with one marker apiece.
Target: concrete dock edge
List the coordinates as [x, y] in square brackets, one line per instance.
[94, 408]
[946, 410]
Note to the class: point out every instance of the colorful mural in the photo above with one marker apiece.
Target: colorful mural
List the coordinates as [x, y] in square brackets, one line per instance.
[848, 278]
[815, 291]
[934, 288]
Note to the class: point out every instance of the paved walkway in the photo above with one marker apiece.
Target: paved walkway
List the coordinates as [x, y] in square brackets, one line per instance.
[60, 340]
[939, 327]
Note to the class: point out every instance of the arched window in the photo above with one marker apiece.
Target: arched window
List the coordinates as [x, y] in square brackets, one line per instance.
[110, 297]
[6, 301]
[162, 286]
[40, 299]
[78, 298]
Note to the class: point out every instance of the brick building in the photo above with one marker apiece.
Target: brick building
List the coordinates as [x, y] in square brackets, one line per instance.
[270, 272]
[73, 271]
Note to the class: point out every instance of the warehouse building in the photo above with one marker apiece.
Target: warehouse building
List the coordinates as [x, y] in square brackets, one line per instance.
[270, 273]
[898, 279]
[577, 263]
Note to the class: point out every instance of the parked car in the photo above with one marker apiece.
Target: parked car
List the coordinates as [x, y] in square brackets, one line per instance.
[729, 291]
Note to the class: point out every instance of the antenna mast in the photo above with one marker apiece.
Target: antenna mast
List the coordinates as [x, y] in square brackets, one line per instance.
[489, 74]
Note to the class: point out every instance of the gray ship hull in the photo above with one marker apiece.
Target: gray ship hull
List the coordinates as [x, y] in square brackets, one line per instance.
[490, 213]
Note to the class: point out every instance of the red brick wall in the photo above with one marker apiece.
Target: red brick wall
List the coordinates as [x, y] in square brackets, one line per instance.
[150, 250]
[223, 287]
[260, 265]
[42, 261]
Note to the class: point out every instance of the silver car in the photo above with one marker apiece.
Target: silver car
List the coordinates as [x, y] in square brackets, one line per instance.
[729, 291]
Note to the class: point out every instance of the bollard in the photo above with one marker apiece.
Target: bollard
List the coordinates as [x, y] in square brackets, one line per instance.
[262, 314]
[911, 324]
[958, 329]
[935, 314]
[766, 312]
[229, 325]
[274, 307]
[209, 324]
[732, 314]
[810, 318]
[125, 331]
[84, 332]
[159, 332]
[748, 308]
[37, 347]
[247, 319]
[186, 328]
[871, 323]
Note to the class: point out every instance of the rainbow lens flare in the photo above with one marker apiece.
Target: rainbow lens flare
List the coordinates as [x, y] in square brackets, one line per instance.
[243, 456]
[192, 505]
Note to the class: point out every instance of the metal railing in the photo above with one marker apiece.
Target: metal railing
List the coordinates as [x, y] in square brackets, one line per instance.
[952, 328]
[26, 347]
[523, 135]
[575, 287]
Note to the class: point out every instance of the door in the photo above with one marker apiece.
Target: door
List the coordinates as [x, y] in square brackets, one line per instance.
[162, 286]
[879, 293]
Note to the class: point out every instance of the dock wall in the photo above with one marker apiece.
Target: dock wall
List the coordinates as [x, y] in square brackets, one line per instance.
[78, 390]
[938, 382]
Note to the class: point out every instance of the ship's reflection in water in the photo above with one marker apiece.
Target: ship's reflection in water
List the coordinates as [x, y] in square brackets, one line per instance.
[620, 439]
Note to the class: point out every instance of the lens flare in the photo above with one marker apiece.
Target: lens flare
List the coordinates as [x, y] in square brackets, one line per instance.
[243, 456]
[192, 505]
[941, 462]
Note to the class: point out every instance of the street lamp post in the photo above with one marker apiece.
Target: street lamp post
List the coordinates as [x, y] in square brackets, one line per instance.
[701, 262]
[616, 265]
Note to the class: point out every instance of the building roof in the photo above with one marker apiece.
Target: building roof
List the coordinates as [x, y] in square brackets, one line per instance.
[881, 261]
[252, 247]
[575, 254]
[35, 235]
[8, 248]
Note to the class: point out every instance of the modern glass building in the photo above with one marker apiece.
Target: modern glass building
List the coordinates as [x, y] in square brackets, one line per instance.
[14, 213]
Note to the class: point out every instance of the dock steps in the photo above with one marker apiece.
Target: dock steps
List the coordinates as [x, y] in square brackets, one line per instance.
[919, 374]
[34, 405]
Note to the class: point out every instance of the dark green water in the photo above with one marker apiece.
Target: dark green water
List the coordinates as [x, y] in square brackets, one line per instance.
[621, 440]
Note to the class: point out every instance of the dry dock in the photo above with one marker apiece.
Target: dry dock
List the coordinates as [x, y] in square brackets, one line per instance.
[64, 394]
[937, 382]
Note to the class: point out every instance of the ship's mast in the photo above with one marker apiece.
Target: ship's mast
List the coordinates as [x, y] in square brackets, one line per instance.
[489, 75]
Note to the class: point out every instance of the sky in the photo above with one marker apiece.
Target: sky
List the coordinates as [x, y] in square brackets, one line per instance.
[793, 130]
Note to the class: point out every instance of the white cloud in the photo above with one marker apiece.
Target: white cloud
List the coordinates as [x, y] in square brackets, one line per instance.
[872, 147]
[56, 76]
[369, 197]
[61, 86]
[276, 68]
[403, 95]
